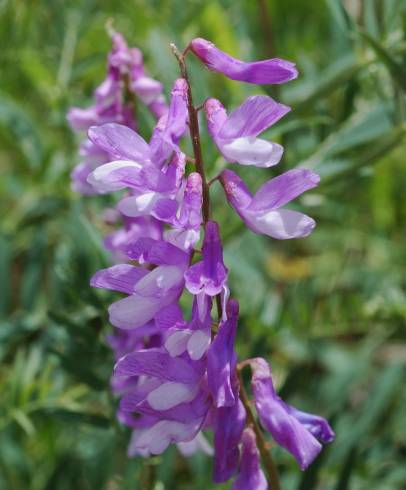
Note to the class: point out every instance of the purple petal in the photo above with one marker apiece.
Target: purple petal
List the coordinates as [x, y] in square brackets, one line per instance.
[122, 277]
[254, 116]
[216, 116]
[157, 252]
[237, 193]
[315, 424]
[116, 175]
[259, 72]
[139, 392]
[82, 119]
[79, 176]
[250, 476]
[158, 289]
[165, 209]
[121, 142]
[209, 275]
[169, 317]
[190, 209]
[158, 364]
[172, 126]
[158, 107]
[222, 360]
[287, 431]
[147, 89]
[282, 189]
[229, 424]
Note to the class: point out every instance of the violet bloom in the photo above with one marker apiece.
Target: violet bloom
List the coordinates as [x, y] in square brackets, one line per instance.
[228, 426]
[222, 361]
[209, 275]
[259, 72]
[250, 475]
[171, 392]
[296, 431]
[236, 135]
[149, 291]
[153, 172]
[118, 241]
[124, 65]
[263, 213]
[184, 213]
[193, 337]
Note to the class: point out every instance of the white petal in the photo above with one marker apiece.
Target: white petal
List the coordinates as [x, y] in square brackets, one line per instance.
[104, 180]
[170, 394]
[251, 151]
[138, 205]
[198, 344]
[157, 438]
[283, 224]
[176, 343]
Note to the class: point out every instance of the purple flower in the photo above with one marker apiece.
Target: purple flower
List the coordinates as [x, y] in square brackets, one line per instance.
[184, 214]
[124, 64]
[250, 475]
[222, 361]
[263, 213]
[153, 172]
[149, 291]
[192, 337]
[171, 390]
[228, 426]
[296, 431]
[259, 72]
[133, 228]
[209, 275]
[236, 135]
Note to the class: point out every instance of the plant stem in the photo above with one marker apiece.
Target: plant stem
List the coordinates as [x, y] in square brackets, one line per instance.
[264, 451]
[197, 148]
[194, 133]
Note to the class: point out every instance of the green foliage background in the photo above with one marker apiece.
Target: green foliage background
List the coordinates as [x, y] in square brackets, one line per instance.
[328, 311]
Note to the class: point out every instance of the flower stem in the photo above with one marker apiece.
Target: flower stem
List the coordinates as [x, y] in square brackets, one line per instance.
[194, 133]
[269, 465]
[197, 148]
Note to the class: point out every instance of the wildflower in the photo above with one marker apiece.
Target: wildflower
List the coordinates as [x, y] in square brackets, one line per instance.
[178, 377]
[124, 65]
[259, 72]
[263, 213]
[296, 431]
[209, 275]
[236, 135]
[171, 390]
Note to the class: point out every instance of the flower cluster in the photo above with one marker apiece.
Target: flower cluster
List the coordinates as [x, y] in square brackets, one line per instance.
[178, 376]
[126, 83]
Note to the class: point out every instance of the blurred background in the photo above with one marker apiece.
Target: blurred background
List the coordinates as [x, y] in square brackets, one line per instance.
[328, 311]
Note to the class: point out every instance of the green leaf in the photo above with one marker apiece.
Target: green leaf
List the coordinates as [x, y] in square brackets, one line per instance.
[19, 122]
[396, 69]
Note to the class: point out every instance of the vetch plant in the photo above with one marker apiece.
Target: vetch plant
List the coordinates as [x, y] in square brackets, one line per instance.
[179, 377]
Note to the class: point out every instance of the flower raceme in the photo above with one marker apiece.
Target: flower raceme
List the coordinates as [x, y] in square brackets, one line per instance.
[176, 374]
